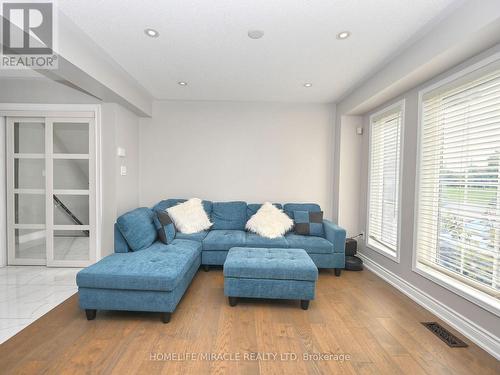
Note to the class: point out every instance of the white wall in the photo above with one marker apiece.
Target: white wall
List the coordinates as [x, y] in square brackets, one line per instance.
[127, 137]
[225, 151]
[108, 178]
[351, 151]
[487, 322]
[119, 193]
[3, 195]
[41, 90]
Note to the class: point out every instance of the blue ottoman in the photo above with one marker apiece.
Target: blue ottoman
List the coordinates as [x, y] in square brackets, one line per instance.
[269, 273]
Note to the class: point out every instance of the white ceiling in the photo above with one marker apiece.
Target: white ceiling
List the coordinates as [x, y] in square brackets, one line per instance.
[205, 43]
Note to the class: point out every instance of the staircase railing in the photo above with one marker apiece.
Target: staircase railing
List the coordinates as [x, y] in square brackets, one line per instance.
[68, 212]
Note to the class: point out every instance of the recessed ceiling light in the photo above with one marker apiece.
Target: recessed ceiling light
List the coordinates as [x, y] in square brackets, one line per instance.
[152, 33]
[308, 84]
[255, 34]
[182, 83]
[343, 35]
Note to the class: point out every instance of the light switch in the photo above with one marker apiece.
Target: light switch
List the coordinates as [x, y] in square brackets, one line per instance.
[120, 152]
[123, 170]
[359, 131]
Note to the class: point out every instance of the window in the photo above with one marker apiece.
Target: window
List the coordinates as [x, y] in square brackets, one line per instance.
[457, 239]
[383, 197]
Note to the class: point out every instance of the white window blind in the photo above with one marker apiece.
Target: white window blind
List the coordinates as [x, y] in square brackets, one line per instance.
[383, 199]
[458, 213]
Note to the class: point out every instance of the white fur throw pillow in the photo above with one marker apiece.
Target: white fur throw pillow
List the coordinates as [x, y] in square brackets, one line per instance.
[190, 216]
[269, 221]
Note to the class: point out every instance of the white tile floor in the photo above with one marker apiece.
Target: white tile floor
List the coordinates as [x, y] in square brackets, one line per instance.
[28, 292]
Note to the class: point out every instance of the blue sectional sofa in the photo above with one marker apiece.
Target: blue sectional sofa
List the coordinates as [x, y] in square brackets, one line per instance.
[145, 274]
[228, 230]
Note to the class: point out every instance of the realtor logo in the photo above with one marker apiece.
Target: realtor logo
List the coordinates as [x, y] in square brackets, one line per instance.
[28, 35]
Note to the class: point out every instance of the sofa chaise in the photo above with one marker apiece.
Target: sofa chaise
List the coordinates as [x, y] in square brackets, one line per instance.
[145, 274]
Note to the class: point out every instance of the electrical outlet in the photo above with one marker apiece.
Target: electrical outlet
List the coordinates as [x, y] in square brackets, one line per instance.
[123, 170]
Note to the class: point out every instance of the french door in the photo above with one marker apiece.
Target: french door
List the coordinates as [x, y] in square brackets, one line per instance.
[51, 215]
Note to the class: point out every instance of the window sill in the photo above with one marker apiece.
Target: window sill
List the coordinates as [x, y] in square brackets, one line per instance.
[464, 290]
[379, 248]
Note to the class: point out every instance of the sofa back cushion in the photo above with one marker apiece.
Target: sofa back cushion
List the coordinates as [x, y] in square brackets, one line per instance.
[310, 207]
[167, 203]
[252, 208]
[138, 228]
[229, 215]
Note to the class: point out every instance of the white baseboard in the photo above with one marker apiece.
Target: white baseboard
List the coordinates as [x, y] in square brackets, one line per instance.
[469, 329]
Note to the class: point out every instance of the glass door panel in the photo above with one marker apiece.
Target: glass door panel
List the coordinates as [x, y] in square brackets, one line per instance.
[71, 138]
[71, 209]
[29, 173]
[71, 233]
[71, 174]
[29, 208]
[29, 136]
[71, 245]
[30, 244]
[51, 191]
[26, 182]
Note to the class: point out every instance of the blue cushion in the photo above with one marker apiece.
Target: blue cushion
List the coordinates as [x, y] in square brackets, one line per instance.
[187, 244]
[121, 245]
[165, 227]
[311, 244]
[159, 268]
[224, 239]
[229, 215]
[254, 240]
[290, 207]
[167, 203]
[252, 208]
[198, 236]
[137, 228]
[277, 264]
[308, 223]
[137, 300]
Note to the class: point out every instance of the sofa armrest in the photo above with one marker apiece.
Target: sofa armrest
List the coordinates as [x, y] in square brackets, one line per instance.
[336, 235]
[121, 245]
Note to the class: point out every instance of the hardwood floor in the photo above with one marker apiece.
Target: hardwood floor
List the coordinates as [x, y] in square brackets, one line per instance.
[356, 314]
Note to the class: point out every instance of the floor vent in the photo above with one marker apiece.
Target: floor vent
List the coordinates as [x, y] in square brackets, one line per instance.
[449, 338]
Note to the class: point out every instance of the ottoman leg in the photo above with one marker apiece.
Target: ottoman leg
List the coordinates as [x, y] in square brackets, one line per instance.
[304, 304]
[337, 271]
[206, 267]
[165, 317]
[91, 313]
[233, 301]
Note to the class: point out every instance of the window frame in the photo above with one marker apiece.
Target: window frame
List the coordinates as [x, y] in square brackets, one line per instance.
[381, 249]
[451, 283]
